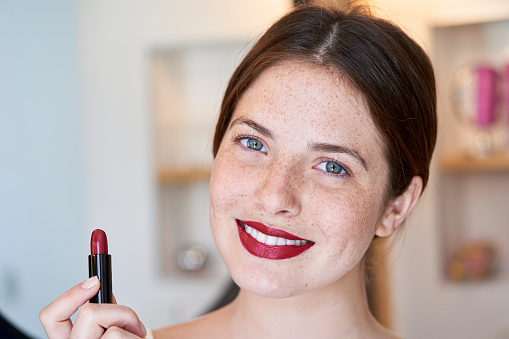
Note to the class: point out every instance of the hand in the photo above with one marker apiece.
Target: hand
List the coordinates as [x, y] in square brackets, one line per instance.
[93, 321]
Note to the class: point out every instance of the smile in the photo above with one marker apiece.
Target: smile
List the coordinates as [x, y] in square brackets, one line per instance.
[269, 239]
[270, 243]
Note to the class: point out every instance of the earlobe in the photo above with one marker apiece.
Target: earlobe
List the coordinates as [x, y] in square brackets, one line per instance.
[399, 208]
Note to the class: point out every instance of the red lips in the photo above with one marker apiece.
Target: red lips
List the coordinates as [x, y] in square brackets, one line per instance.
[265, 251]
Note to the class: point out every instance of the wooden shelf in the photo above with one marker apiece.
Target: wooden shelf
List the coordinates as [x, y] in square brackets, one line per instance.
[461, 163]
[169, 176]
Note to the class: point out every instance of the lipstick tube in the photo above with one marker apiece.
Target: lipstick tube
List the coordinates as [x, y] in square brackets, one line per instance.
[99, 264]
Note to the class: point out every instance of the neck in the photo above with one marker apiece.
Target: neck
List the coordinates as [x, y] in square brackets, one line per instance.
[337, 310]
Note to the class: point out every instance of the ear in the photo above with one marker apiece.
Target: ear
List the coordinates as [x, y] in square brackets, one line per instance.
[399, 208]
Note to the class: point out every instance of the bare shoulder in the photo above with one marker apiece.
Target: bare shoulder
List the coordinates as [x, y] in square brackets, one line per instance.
[212, 325]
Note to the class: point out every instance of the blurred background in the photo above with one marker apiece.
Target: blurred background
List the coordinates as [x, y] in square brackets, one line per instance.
[106, 119]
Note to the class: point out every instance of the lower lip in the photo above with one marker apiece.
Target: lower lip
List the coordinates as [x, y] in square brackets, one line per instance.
[267, 251]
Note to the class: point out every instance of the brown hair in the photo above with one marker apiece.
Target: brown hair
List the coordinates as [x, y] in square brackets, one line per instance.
[391, 71]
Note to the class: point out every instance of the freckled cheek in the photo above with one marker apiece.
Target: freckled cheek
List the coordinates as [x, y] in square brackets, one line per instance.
[347, 234]
[223, 194]
[229, 183]
[348, 217]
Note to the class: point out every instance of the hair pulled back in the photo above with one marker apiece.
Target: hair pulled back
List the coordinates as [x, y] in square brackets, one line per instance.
[388, 68]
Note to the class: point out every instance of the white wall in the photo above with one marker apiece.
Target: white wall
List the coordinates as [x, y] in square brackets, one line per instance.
[42, 204]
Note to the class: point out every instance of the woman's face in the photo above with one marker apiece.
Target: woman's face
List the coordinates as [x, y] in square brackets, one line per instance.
[301, 169]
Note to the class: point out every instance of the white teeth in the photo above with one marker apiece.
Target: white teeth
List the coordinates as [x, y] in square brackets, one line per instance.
[281, 241]
[261, 237]
[254, 233]
[271, 240]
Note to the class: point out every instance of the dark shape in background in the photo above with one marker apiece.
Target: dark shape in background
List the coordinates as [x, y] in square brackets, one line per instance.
[8, 331]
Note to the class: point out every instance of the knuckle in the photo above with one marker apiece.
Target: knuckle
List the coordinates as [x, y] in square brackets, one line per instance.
[44, 315]
[86, 310]
[113, 332]
[131, 314]
[127, 313]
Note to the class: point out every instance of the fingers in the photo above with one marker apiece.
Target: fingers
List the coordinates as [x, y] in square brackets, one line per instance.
[94, 318]
[117, 332]
[55, 317]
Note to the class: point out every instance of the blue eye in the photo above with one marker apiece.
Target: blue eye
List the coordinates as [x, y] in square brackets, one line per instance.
[253, 144]
[332, 167]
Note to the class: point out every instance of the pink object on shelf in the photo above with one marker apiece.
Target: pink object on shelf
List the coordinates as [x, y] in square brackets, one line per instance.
[486, 95]
[506, 96]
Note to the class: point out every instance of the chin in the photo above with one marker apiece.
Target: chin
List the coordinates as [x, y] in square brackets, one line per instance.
[266, 288]
[269, 282]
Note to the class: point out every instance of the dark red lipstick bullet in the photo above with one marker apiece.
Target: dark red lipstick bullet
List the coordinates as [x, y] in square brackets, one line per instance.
[99, 264]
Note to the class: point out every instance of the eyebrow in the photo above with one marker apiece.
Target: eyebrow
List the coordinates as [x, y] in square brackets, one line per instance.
[257, 127]
[315, 147]
[330, 148]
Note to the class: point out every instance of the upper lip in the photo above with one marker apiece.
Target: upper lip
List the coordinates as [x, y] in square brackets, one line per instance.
[275, 232]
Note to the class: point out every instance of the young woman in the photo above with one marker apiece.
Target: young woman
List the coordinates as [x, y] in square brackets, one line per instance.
[324, 141]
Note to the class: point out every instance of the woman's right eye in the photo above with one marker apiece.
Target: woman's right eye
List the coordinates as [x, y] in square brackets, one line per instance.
[252, 143]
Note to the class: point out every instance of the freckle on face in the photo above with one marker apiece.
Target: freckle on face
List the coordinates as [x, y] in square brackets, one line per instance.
[298, 104]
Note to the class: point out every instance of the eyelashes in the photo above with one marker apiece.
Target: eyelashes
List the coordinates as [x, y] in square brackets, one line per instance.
[250, 142]
[331, 167]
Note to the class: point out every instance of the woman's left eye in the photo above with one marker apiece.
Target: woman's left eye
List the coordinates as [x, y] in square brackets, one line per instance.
[332, 167]
[253, 144]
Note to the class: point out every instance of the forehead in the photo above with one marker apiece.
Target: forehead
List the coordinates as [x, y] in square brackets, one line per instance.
[309, 99]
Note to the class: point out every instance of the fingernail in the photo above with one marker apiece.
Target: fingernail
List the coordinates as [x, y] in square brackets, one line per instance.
[90, 283]
[143, 329]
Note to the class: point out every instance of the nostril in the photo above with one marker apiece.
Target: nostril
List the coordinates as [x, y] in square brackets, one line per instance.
[281, 202]
[277, 192]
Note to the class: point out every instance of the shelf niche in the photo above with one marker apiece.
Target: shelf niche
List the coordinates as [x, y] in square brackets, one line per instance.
[188, 82]
[473, 192]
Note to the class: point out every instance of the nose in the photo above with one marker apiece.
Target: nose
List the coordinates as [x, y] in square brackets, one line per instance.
[278, 193]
